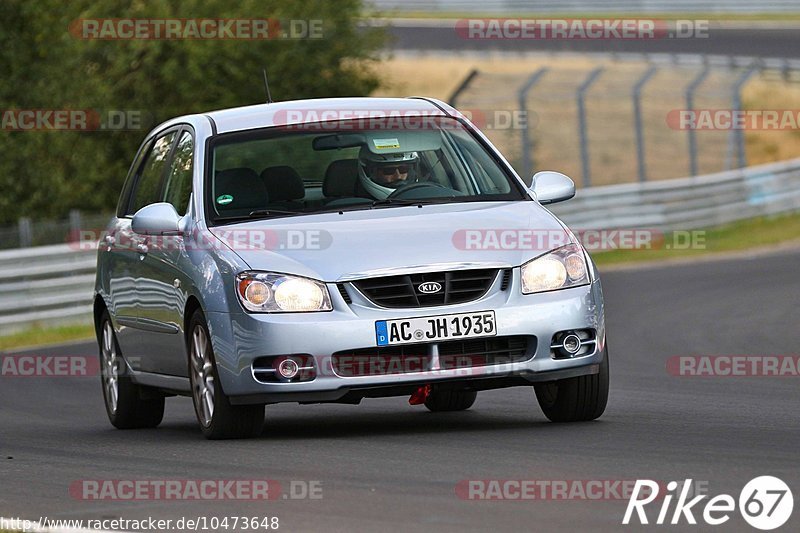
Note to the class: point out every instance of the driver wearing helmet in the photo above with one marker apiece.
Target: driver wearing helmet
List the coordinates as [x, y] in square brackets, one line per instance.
[382, 174]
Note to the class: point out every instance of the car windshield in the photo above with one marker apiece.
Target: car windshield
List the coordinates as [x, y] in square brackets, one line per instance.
[348, 165]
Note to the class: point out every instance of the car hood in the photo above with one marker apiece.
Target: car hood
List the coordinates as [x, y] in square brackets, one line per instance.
[392, 240]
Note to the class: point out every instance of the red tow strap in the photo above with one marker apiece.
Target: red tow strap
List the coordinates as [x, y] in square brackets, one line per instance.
[419, 396]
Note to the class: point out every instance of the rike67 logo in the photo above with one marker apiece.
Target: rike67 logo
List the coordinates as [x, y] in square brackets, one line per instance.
[765, 503]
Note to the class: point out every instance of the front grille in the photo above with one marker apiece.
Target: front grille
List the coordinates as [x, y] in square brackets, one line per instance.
[343, 292]
[506, 279]
[413, 358]
[457, 286]
[381, 360]
[484, 352]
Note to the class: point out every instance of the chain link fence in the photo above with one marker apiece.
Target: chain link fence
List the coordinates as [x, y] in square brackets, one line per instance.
[624, 120]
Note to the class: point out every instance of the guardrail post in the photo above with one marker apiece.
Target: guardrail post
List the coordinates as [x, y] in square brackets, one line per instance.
[25, 232]
[580, 97]
[736, 135]
[637, 120]
[462, 87]
[74, 225]
[522, 97]
[690, 90]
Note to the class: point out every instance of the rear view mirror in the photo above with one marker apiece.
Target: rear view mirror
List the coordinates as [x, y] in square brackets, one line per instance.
[337, 142]
[551, 187]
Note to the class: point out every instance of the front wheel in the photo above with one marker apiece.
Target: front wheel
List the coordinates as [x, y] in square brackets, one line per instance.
[217, 417]
[128, 405]
[575, 399]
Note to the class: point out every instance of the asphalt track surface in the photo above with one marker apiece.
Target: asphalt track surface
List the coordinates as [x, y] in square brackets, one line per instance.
[733, 41]
[388, 466]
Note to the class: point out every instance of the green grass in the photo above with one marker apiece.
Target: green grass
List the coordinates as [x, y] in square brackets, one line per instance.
[39, 335]
[743, 235]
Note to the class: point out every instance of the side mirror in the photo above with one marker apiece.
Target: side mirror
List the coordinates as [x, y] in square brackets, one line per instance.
[156, 219]
[551, 187]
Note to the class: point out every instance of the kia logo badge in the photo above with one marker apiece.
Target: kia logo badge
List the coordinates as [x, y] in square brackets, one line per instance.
[429, 287]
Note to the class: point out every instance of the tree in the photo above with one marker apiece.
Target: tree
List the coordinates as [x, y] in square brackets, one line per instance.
[47, 173]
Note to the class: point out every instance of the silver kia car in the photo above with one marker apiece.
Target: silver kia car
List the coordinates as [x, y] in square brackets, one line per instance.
[333, 250]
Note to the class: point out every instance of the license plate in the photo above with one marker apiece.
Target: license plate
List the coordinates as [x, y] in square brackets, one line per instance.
[435, 328]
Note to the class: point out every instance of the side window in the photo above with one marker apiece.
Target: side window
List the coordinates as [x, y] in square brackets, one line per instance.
[124, 198]
[179, 179]
[147, 187]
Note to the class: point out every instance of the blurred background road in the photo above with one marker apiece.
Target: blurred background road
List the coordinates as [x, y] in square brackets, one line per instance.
[759, 39]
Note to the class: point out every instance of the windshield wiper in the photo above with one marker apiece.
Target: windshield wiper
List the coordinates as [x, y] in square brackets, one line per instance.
[403, 201]
[268, 212]
[260, 213]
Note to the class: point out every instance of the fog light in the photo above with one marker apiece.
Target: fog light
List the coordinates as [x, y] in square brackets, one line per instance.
[288, 368]
[571, 344]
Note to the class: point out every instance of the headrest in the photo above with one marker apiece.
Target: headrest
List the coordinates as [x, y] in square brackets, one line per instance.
[283, 183]
[245, 189]
[340, 178]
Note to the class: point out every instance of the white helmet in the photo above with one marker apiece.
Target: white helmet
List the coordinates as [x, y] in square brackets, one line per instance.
[368, 162]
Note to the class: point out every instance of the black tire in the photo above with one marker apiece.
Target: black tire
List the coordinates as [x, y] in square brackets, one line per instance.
[135, 406]
[575, 399]
[223, 420]
[450, 400]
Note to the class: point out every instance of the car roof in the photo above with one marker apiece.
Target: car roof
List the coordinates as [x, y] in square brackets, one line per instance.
[320, 109]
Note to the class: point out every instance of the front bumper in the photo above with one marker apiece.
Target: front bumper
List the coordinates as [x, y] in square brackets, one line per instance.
[240, 338]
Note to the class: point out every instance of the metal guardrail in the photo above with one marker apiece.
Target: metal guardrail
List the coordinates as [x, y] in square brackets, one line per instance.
[53, 284]
[687, 203]
[588, 6]
[45, 285]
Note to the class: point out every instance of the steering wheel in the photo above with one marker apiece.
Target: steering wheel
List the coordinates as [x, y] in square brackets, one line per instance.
[399, 193]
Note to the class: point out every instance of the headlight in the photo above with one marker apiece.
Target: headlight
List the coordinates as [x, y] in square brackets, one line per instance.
[267, 292]
[559, 269]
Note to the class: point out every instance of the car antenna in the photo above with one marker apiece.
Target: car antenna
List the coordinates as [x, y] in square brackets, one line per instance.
[266, 86]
